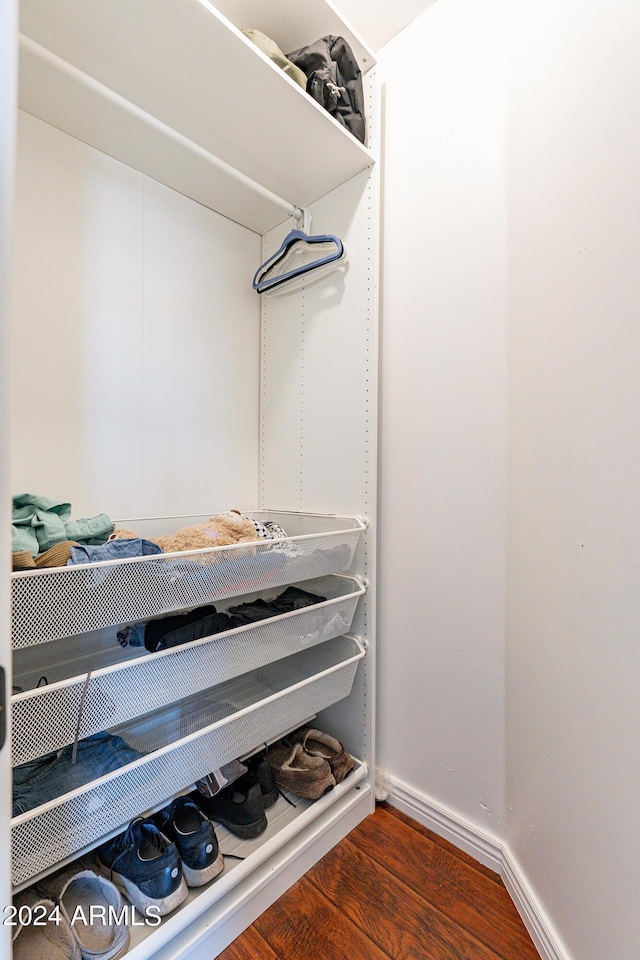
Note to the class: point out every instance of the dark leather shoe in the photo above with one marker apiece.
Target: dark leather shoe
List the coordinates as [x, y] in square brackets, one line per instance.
[238, 809]
[260, 772]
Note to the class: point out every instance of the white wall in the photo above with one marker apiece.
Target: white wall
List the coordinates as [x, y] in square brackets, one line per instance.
[573, 661]
[443, 412]
[571, 290]
[127, 298]
[378, 20]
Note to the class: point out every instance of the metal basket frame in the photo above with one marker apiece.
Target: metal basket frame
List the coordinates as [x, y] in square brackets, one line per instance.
[48, 834]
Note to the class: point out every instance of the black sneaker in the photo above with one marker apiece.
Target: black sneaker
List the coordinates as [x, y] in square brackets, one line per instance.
[146, 866]
[239, 809]
[195, 837]
[260, 772]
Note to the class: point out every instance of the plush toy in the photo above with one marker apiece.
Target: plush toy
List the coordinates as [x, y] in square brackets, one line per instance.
[223, 530]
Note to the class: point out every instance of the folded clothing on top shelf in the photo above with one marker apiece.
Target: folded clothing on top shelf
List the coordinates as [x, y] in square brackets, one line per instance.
[40, 523]
[44, 535]
[55, 774]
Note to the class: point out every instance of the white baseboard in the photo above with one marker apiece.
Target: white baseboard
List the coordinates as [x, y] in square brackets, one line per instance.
[490, 851]
[534, 917]
[482, 846]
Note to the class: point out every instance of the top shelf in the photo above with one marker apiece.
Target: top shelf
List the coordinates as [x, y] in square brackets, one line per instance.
[295, 23]
[172, 87]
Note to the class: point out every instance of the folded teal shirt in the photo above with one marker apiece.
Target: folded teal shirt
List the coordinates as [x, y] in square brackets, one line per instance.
[40, 523]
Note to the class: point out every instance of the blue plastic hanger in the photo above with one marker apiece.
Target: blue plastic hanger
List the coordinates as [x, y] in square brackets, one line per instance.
[267, 277]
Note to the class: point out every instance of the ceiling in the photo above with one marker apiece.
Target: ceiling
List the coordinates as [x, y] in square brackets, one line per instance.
[378, 20]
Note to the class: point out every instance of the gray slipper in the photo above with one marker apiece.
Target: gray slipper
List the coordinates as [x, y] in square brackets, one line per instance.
[85, 900]
[41, 939]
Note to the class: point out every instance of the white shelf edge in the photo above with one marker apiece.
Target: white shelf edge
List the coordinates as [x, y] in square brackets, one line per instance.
[59, 94]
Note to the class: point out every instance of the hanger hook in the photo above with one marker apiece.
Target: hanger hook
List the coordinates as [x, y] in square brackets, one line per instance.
[302, 219]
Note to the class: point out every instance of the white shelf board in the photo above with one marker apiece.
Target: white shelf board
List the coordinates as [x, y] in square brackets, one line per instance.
[297, 23]
[74, 103]
[172, 88]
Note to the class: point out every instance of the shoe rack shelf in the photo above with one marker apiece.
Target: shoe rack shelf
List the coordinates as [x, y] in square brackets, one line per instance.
[286, 821]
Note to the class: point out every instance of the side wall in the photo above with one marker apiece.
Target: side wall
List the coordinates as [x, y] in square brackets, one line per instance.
[8, 85]
[443, 413]
[135, 362]
[573, 657]
[572, 720]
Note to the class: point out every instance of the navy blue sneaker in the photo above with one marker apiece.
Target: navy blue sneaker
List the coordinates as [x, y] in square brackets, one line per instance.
[195, 837]
[145, 866]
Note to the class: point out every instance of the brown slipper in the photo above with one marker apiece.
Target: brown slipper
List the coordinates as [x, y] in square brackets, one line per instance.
[296, 770]
[319, 744]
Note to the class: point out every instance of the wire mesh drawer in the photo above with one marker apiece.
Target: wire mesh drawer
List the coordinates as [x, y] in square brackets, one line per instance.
[186, 745]
[47, 718]
[48, 604]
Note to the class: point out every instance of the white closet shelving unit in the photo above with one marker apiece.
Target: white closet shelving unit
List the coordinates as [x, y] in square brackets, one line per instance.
[173, 92]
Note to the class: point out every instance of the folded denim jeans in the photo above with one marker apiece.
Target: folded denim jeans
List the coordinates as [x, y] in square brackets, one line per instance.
[113, 550]
[49, 777]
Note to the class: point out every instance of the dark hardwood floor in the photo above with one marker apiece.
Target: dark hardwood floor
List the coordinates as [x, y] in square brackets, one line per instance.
[391, 890]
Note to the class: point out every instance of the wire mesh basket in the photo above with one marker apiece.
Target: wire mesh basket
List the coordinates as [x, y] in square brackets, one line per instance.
[47, 718]
[186, 742]
[48, 604]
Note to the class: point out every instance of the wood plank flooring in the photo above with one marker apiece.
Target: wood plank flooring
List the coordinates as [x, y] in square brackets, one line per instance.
[391, 890]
